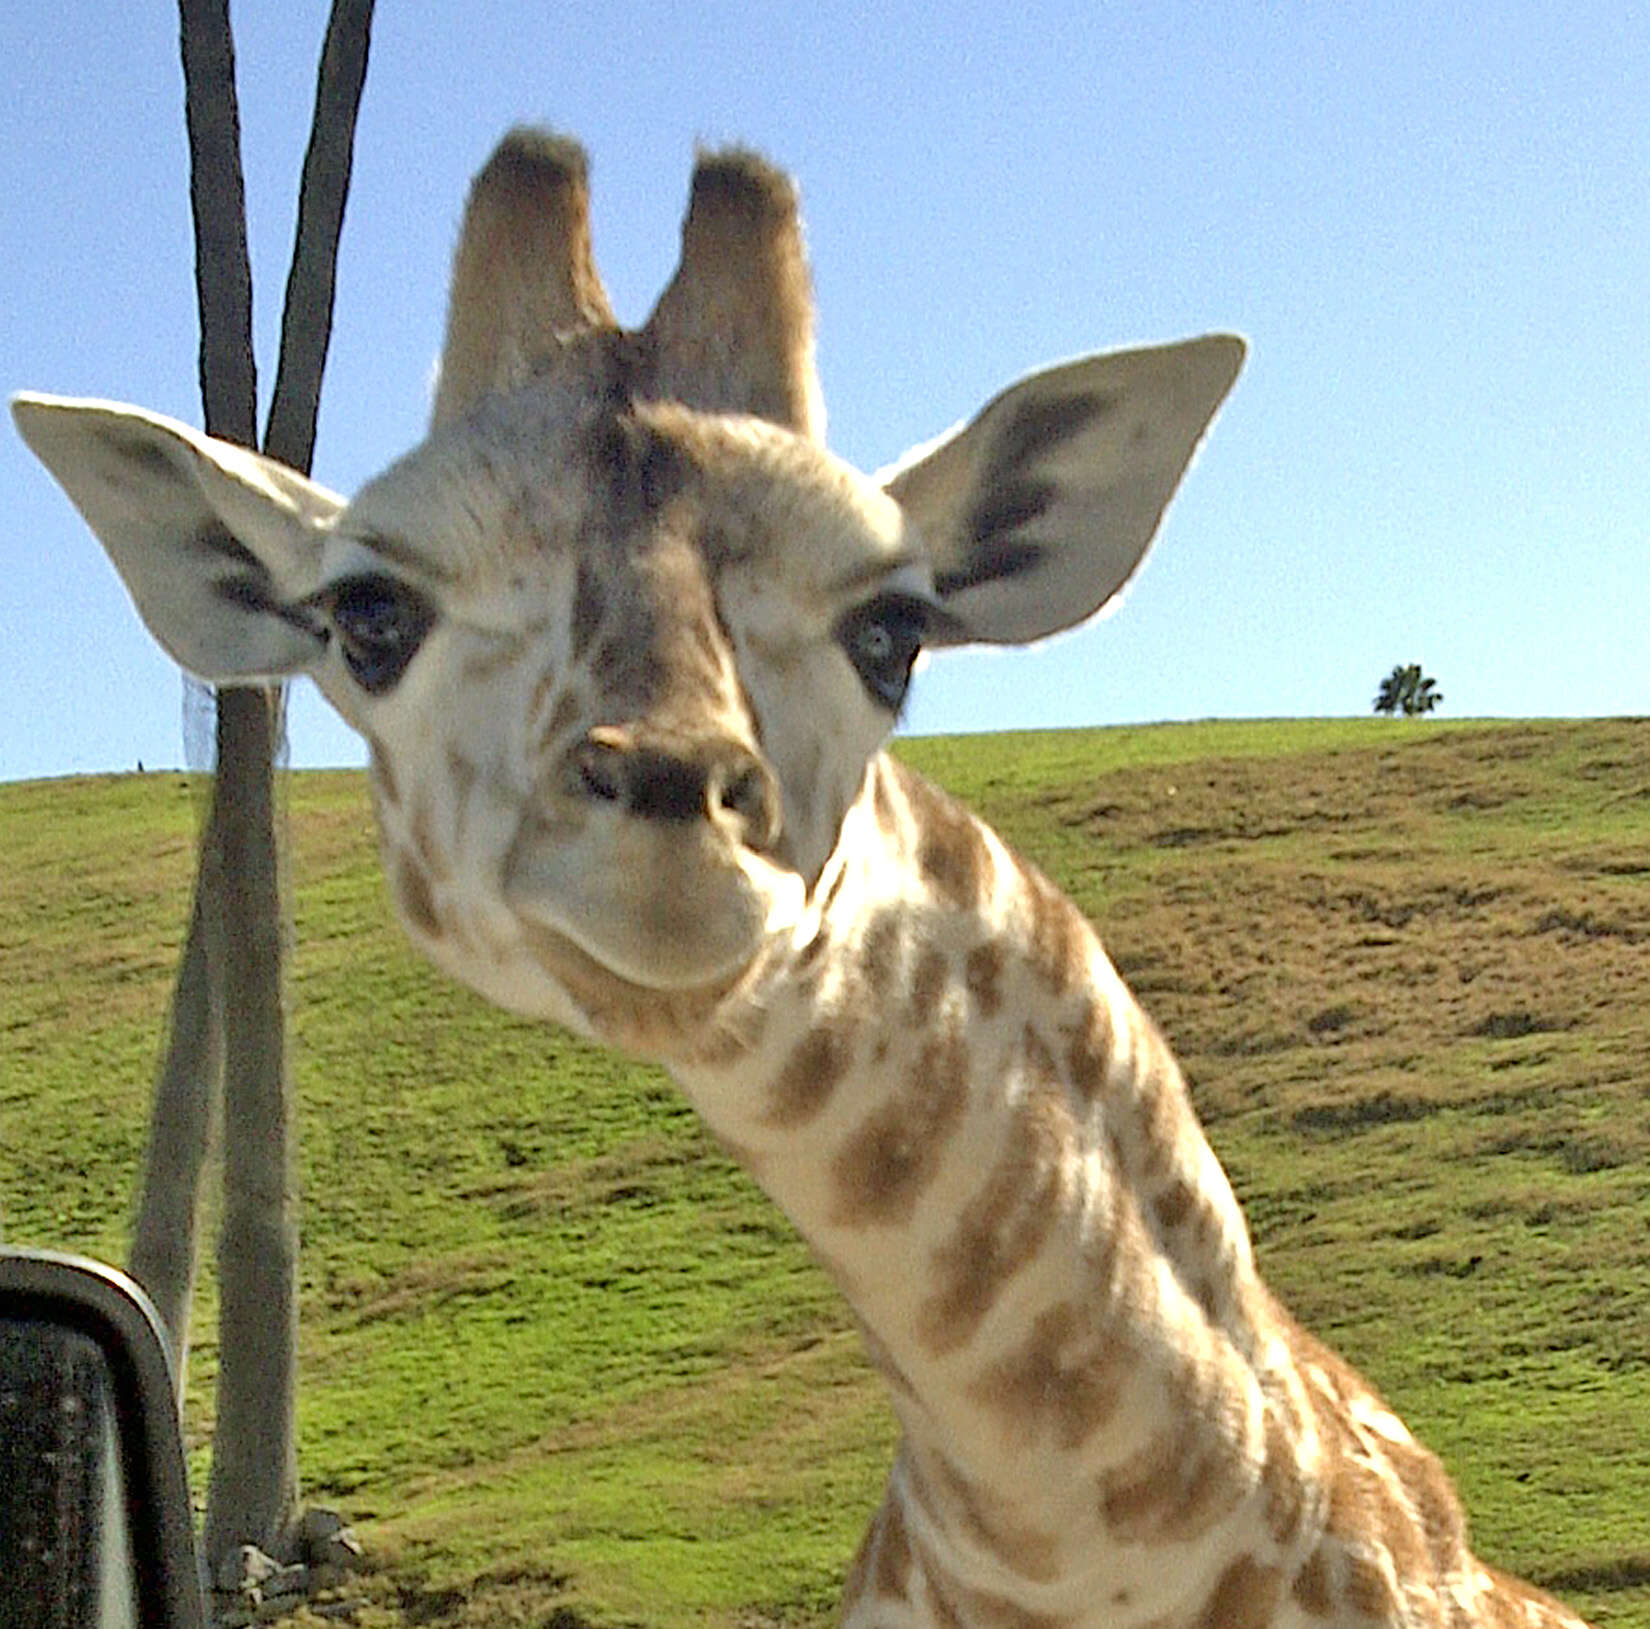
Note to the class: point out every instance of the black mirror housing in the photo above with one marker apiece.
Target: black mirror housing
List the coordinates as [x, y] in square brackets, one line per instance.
[94, 1493]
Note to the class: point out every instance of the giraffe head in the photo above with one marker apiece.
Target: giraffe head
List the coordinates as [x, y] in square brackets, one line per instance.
[621, 634]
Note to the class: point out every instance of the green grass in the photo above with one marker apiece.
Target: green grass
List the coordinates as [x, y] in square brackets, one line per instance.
[560, 1361]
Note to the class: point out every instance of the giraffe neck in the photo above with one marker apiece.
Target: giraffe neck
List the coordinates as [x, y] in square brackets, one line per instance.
[990, 1148]
[1107, 1419]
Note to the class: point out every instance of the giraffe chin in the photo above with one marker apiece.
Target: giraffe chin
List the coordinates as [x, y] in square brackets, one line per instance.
[642, 964]
[568, 986]
[673, 934]
[659, 906]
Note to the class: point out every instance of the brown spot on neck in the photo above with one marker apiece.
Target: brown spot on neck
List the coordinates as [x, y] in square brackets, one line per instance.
[1172, 1205]
[811, 1073]
[884, 1167]
[951, 854]
[1088, 1059]
[1245, 1598]
[1311, 1587]
[928, 982]
[1064, 1379]
[983, 975]
[1058, 937]
[1003, 1226]
[1197, 1469]
[1283, 1479]
[879, 955]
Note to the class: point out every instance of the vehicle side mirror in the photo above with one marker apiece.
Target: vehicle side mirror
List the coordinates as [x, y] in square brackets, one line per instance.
[96, 1529]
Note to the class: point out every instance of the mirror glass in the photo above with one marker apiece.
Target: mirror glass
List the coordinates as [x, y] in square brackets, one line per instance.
[64, 1539]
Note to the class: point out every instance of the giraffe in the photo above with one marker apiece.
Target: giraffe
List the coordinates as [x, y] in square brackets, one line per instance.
[625, 643]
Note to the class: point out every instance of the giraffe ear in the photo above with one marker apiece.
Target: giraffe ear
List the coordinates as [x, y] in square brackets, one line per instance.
[217, 545]
[1038, 511]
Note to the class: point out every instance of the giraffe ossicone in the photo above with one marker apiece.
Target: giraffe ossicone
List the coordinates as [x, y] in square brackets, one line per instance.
[626, 642]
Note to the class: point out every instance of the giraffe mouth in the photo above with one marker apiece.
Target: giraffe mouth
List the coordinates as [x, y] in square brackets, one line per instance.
[669, 911]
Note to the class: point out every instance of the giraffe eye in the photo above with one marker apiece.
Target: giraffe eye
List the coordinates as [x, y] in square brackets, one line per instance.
[380, 623]
[881, 638]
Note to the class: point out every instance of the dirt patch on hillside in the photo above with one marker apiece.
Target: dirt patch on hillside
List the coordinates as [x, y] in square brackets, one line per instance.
[1361, 908]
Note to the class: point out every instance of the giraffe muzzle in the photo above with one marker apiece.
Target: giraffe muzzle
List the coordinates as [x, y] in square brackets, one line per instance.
[652, 851]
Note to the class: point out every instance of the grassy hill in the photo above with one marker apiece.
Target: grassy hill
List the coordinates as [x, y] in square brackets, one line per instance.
[561, 1363]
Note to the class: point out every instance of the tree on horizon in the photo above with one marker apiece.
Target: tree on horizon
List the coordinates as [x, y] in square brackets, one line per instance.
[1408, 691]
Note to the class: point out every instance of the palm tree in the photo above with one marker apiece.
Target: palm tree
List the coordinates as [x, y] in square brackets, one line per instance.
[1423, 698]
[1408, 691]
[1390, 697]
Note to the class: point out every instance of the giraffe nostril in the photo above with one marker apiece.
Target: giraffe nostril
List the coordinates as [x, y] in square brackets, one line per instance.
[600, 772]
[748, 797]
[742, 795]
[677, 780]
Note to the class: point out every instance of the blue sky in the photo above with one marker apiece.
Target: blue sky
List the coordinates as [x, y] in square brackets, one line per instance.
[1433, 223]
